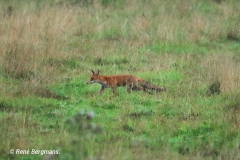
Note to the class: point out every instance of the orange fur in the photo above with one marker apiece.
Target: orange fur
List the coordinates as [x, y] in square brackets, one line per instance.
[130, 81]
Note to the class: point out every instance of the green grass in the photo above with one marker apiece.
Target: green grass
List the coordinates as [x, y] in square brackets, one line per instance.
[176, 48]
[186, 46]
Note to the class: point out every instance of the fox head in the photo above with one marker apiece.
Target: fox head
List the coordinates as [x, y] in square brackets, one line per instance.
[94, 78]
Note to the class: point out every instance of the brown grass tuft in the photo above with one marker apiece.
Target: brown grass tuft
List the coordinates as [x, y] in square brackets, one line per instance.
[223, 68]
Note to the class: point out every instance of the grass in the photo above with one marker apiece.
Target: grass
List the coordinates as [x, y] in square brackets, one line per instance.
[48, 49]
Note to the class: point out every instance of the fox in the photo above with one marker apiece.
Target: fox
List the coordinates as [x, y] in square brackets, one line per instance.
[130, 81]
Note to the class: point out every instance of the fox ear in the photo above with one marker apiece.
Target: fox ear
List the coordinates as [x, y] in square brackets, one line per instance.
[92, 71]
[98, 71]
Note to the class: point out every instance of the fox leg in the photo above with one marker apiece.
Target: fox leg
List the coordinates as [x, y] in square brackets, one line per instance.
[129, 88]
[102, 89]
[133, 87]
[137, 88]
[114, 90]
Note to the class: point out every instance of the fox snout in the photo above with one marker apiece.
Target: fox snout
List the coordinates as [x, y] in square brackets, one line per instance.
[89, 82]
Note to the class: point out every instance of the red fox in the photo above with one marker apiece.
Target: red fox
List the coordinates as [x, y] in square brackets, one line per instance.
[130, 81]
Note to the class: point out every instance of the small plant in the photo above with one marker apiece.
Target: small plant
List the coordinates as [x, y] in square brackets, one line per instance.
[234, 35]
[82, 123]
[83, 131]
[214, 88]
[141, 113]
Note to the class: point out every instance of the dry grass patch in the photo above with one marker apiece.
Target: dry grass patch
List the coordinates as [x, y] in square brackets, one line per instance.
[223, 68]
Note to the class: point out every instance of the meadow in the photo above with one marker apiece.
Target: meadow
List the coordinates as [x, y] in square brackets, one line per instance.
[49, 47]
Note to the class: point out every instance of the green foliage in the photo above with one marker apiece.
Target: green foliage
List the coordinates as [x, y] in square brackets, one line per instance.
[169, 112]
[177, 48]
[71, 63]
[109, 2]
[111, 34]
[207, 7]
[205, 139]
[99, 61]
[103, 105]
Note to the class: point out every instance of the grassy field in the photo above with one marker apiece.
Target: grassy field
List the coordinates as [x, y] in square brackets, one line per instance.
[49, 47]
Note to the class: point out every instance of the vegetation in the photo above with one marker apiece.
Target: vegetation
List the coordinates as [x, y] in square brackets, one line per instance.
[48, 48]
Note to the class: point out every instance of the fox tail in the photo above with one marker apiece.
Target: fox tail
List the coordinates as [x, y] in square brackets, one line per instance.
[148, 85]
